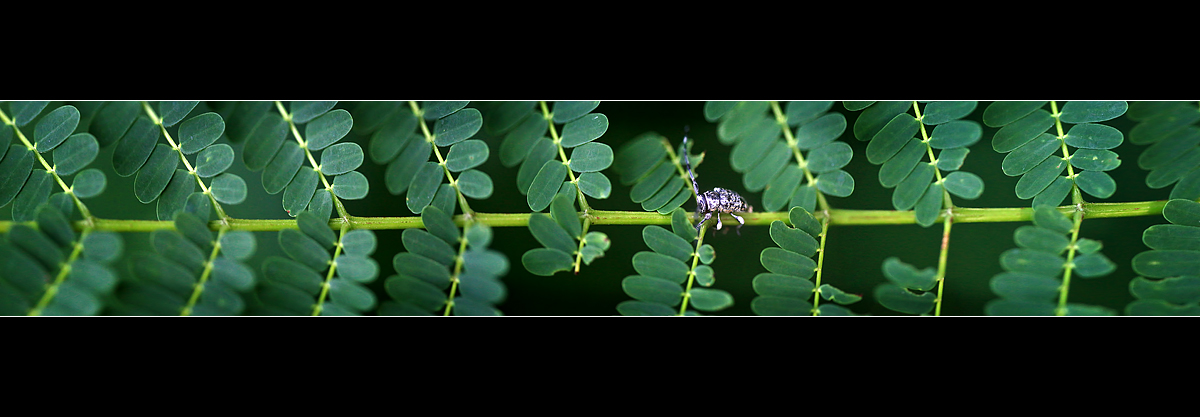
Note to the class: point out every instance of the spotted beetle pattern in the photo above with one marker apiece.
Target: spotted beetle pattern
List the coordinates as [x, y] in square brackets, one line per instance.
[715, 201]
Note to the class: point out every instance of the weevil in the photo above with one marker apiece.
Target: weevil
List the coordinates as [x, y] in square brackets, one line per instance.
[715, 201]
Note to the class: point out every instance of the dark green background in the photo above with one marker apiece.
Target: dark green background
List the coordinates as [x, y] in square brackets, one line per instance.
[852, 263]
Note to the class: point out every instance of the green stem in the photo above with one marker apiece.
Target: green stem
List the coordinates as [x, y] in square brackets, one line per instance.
[942, 258]
[458, 266]
[204, 275]
[337, 251]
[837, 217]
[820, 261]
[925, 140]
[1076, 196]
[687, 292]
[1070, 265]
[52, 289]
[1077, 200]
[587, 222]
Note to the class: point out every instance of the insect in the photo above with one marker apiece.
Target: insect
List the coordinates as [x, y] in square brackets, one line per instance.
[717, 200]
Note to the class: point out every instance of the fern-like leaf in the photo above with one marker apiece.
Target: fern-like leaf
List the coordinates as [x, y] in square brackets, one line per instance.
[52, 270]
[764, 144]
[324, 273]
[787, 286]
[1174, 145]
[1169, 283]
[1037, 273]
[566, 242]
[190, 272]
[445, 258]
[1029, 147]
[654, 168]
[667, 273]
[525, 126]
[902, 143]
[405, 143]
[331, 175]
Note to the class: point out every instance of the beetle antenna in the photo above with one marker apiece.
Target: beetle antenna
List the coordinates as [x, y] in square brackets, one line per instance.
[687, 163]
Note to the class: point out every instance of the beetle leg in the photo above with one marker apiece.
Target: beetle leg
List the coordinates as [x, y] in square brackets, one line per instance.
[718, 221]
[741, 222]
[700, 224]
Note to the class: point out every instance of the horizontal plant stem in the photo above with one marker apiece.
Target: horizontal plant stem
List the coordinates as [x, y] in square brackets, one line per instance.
[837, 217]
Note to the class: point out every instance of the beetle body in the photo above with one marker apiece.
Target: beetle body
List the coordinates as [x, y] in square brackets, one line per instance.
[715, 201]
